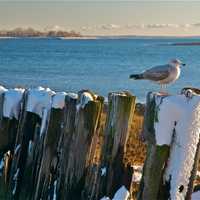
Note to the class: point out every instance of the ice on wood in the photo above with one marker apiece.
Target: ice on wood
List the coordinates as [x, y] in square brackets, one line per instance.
[30, 146]
[179, 125]
[39, 99]
[59, 100]
[11, 104]
[72, 95]
[1, 166]
[17, 149]
[15, 179]
[54, 190]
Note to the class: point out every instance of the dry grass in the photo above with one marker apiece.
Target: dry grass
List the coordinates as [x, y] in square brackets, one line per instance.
[136, 149]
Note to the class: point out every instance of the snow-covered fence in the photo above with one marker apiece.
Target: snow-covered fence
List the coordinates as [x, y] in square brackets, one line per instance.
[172, 130]
[49, 143]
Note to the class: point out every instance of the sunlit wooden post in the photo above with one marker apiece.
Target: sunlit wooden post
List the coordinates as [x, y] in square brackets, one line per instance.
[113, 170]
[88, 110]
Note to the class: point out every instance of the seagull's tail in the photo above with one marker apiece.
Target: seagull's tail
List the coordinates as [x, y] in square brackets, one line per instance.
[136, 76]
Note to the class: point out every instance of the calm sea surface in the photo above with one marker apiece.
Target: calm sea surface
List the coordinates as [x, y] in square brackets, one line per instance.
[102, 65]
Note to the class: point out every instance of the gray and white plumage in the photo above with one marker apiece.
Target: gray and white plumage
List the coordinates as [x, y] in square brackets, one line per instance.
[162, 74]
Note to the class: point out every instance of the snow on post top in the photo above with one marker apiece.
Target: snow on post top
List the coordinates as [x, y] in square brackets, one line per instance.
[12, 100]
[39, 99]
[84, 99]
[122, 194]
[2, 89]
[59, 100]
[172, 111]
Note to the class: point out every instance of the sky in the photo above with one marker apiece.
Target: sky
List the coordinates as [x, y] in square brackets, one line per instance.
[113, 17]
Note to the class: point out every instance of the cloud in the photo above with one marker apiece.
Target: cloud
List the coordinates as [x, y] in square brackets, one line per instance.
[55, 28]
[108, 26]
[162, 26]
[86, 28]
[196, 24]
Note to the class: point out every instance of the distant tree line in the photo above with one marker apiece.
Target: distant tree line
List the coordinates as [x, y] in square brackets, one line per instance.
[30, 32]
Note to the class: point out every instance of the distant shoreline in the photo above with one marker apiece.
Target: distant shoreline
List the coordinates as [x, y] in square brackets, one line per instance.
[46, 37]
[196, 43]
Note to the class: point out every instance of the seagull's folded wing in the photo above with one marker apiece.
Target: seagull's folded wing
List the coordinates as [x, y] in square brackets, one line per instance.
[157, 73]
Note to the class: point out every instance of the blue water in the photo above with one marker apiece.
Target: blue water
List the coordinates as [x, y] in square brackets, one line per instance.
[102, 65]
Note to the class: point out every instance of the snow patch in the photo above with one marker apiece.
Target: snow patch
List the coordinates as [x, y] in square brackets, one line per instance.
[30, 146]
[196, 195]
[121, 194]
[2, 89]
[85, 98]
[179, 125]
[103, 171]
[136, 177]
[39, 99]
[105, 198]
[72, 95]
[11, 104]
[59, 100]
[45, 120]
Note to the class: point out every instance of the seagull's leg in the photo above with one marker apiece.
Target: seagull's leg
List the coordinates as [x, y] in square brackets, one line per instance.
[161, 88]
[162, 91]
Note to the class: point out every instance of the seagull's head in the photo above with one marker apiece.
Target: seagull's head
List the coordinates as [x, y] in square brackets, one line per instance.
[176, 63]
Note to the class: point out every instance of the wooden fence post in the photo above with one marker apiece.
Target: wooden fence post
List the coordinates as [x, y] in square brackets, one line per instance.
[67, 141]
[47, 177]
[21, 169]
[86, 120]
[156, 155]
[113, 170]
[172, 134]
[89, 190]
[8, 130]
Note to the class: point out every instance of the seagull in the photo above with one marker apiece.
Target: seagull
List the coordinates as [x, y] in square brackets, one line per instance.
[162, 74]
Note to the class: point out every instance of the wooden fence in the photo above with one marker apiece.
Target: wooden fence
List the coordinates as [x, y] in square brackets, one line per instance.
[54, 146]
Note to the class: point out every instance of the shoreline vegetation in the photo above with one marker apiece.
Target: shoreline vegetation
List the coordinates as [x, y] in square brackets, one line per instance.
[30, 32]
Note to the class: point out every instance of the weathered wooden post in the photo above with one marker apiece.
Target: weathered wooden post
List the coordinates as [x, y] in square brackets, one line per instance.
[113, 170]
[10, 104]
[46, 183]
[67, 141]
[32, 126]
[172, 134]
[86, 120]
[89, 190]
[156, 155]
